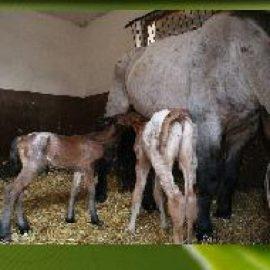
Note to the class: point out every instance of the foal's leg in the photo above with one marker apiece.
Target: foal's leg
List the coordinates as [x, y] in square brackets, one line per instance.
[191, 213]
[75, 188]
[176, 208]
[159, 199]
[12, 192]
[189, 175]
[176, 201]
[22, 222]
[142, 169]
[90, 186]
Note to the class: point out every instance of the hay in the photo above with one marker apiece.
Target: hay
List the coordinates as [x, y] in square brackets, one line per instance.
[46, 203]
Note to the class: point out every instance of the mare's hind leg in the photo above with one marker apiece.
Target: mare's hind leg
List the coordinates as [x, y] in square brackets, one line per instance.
[12, 193]
[22, 222]
[90, 186]
[159, 199]
[75, 188]
[142, 169]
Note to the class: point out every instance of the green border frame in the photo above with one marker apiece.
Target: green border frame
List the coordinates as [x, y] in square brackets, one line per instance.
[191, 257]
[96, 257]
[134, 257]
[135, 4]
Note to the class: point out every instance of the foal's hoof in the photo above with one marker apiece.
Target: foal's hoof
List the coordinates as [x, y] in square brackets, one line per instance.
[164, 225]
[131, 229]
[5, 238]
[101, 198]
[5, 234]
[70, 220]
[225, 214]
[97, 222]
[25, 228]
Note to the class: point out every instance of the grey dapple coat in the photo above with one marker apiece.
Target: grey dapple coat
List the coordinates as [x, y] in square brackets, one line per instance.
[221, 74]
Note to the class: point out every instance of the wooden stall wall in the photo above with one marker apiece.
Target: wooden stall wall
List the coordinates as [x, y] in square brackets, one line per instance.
[22, 112]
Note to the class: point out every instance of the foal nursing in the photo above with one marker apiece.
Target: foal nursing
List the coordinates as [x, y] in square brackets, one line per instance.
[170, 135]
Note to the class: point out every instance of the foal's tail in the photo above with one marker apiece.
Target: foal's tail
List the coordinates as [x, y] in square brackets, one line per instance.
[13, 166]
[175, 115]
[14, 156]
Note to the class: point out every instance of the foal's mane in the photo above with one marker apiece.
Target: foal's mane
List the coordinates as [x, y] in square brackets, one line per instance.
[133, 119]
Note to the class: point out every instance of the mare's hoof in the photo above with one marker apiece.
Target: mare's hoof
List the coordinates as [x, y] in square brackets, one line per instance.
[101, 198]
[204, 235]
[23, 228]
[204, 238]
[207, 239]
[124, 189]
[149, 207]
[70, 220]
[225, 214]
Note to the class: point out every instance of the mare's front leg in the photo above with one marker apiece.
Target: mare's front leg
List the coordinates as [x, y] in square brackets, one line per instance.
[142, 169]
[207, 185]
[90, 186]
[12, 193]
[22, 222]
[207, 179]
[208, 154]
[75, 188]
[226, 188]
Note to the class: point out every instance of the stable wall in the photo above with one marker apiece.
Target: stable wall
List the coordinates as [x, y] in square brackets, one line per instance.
[55, 75]
[106, 40]
[45, 54]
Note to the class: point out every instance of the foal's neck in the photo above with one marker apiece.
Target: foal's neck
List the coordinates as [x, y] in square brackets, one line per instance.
[107, 135]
